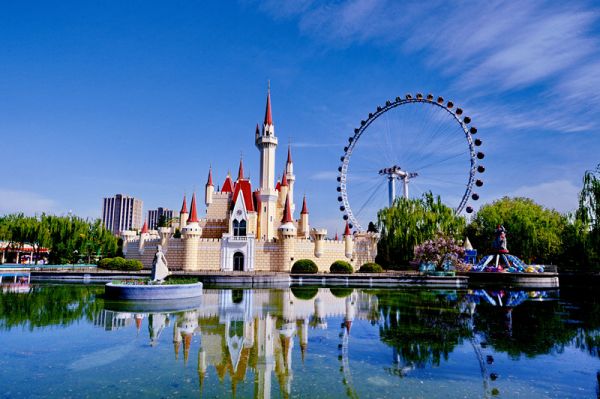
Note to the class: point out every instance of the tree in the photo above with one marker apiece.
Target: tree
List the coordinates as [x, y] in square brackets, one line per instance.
[65, 236]
[409, 222]
[162, 221]
[534, 232]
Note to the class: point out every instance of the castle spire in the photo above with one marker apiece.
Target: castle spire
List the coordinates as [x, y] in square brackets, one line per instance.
[257, 133]
[184, 205]
[145, 228]
[268, 116]
[193, 214]
[287, 213]
[304, 208]
[209, 181]
[347, 230]
[241, 170]
[284, 181]
[289, 158]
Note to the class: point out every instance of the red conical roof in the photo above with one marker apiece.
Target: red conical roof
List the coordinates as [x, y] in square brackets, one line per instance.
[289, 159]
[336, 238]
[193, 214]
[287, 213]
[241, 170]
[209, 181]
[227, 185]
[347, 231]
[268, 116]
[278, 185]
[284, 181]
[184, 206]
[304, 208]
[145, 228]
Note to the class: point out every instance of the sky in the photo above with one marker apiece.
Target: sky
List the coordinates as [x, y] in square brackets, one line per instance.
[141, 97]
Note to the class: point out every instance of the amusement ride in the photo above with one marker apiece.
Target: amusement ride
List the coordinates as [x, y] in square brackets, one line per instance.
[422, 142]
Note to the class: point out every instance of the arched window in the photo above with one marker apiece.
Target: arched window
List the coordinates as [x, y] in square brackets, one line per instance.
[239, 228]
[243, 228]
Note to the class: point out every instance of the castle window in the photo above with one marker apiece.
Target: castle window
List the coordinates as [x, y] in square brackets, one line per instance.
[239, 228]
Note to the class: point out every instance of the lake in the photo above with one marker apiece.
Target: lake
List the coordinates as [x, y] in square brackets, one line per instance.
[65, 340]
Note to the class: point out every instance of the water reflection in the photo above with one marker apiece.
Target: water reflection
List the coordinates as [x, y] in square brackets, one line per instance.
[249, 337]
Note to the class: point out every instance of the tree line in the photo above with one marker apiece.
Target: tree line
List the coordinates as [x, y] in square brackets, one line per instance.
[68, 238]
[535, 233]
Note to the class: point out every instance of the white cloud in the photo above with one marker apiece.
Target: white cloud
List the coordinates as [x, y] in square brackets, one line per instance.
[560, 194]
[488, 50]
[324, 175]
[13, 201]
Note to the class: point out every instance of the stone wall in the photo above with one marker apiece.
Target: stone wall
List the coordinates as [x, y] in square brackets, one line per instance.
[268, 255]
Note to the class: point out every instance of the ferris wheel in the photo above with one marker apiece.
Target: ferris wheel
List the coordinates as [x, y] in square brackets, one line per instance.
[423, 143]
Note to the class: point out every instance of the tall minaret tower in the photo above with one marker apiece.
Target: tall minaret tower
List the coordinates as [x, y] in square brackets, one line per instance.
[209, 189]
[291, 177]
[266, 142]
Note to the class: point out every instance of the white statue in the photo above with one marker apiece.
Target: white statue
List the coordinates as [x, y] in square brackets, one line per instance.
[159, 266]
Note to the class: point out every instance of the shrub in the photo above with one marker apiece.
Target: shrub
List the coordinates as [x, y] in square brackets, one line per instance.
[370, 268]
[339, 292]
[341, 267]
[305, 293]
[119, 263]
[304, 266]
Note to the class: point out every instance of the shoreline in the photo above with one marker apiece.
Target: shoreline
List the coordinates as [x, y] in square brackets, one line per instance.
[393, 279]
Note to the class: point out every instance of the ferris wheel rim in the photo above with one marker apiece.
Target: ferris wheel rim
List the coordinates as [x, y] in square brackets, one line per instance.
[380, 110]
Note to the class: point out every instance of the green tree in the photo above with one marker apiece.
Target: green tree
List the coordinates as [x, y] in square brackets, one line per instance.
[66, 237]
[409, 222]
[534, 233]
[162, 221]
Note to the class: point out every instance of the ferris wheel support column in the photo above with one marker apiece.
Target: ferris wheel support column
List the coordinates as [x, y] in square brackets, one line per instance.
[405, 187]
[392, 188]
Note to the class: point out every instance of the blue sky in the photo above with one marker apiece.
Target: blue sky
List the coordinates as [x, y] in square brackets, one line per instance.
[141, 97]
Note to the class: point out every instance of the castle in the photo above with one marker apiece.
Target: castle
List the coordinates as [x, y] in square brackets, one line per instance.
[246, 230]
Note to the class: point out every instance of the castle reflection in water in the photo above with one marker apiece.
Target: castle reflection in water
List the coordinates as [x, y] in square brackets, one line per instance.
[242, 329]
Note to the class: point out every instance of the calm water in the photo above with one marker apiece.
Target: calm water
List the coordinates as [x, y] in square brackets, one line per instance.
[67, 341]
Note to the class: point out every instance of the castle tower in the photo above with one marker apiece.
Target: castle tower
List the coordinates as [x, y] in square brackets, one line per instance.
[267, 144]
[283, 191]
[287, 232]
[291, 177]
[318, 238]
[191, 236]
[144, 236]
[183, 214]
[209, 189]
[304, 227]
[348, 242]
[240, 171]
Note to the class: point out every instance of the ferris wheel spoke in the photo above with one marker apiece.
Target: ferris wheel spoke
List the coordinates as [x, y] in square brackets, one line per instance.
[439, 162]
[369, 199]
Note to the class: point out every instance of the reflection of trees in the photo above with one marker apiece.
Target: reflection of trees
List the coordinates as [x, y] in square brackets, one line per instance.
[536, 328]
[49, 305]
[422, 326]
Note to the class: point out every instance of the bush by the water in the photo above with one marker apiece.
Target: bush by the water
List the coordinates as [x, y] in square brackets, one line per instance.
[370, 268]
[341, 267]
[304, 266]
[119, 263]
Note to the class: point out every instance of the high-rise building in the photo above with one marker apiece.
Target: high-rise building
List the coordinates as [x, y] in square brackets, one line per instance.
[122, 212]
[154, 216]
